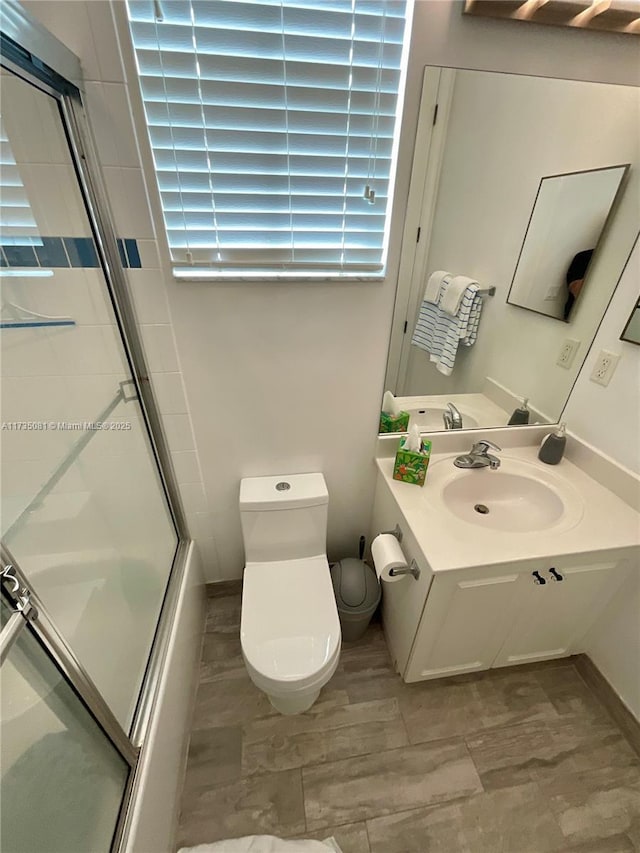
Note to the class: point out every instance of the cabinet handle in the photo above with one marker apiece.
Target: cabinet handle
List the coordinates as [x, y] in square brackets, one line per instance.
[556, 576]
[537, 578]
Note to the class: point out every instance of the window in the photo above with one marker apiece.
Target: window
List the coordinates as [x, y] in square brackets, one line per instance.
[273, 126]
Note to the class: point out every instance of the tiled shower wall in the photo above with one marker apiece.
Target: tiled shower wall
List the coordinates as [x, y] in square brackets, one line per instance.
[88, 29]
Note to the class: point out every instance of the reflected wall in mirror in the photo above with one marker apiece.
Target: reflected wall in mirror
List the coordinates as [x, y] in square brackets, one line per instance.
[631, 332]
[476, 174]
[567, 222]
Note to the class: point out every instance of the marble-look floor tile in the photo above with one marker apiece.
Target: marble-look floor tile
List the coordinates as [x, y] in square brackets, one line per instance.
[568, 693]
[367, 786]
[271, 804]
[215, 756]
[618, 711]
[546, 750]
[221, 658]
[366, 671]
[351, 837]
[326, 732]
[222, 589]
[612, 844]
[452, 707]
[591, 807]
[236, 700]
[515, 820]
[223, 615]
[230, 702]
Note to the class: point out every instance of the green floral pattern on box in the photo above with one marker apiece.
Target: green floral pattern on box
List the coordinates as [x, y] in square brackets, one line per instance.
[394, 423]
[411, 467]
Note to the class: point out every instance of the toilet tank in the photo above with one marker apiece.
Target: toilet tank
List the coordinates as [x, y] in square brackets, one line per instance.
[283, 517]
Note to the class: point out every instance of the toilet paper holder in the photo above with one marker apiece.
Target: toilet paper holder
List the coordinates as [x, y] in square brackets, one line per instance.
[395, 532]
[411, 569]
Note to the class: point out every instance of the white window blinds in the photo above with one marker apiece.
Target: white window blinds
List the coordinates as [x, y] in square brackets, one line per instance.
[17, 225]
[273, 127]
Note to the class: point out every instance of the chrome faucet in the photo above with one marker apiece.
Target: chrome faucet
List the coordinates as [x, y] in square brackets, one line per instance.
[452, 419]
[479, 456]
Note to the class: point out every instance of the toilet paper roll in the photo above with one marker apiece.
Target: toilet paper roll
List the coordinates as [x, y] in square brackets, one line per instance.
[387, 554]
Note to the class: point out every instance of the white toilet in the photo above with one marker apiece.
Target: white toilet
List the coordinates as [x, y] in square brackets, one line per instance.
[290, 631]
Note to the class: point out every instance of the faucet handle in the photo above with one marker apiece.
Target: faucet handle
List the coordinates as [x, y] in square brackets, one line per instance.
[483, 445]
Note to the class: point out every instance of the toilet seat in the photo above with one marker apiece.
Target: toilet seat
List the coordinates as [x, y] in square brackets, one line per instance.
[290, 631]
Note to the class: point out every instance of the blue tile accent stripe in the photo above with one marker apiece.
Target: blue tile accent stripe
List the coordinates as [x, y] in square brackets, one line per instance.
[20, 256]
[60, 252]
[123, 254]
[81, 251]
[51, 253]
[133, 255]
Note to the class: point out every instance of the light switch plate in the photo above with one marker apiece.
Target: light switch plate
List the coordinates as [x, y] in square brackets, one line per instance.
[604, 367]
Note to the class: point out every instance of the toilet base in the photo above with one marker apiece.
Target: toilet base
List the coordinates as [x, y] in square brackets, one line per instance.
[294, 704]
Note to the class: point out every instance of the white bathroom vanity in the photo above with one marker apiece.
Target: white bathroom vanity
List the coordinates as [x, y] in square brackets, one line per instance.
[516, 564]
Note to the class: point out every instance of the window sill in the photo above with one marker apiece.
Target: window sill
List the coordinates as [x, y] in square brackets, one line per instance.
[210, 276]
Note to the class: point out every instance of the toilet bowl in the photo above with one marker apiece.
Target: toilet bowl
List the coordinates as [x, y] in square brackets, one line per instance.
[290, 631]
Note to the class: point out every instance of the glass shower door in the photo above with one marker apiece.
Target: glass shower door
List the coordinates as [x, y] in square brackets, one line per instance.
[83, 509]
[63, 782]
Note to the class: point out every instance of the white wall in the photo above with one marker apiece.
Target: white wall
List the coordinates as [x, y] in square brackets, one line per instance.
[288, 377]
[506, 132]
[609, 418]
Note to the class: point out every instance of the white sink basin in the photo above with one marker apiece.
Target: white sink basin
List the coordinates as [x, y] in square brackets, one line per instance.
[518, 497]
[431, 418]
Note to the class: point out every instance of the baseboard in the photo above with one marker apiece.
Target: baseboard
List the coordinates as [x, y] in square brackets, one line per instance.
[594, 679]
[221, 588]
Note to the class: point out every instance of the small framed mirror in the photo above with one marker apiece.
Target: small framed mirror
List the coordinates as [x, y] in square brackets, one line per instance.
[631, 332]
[561, 242]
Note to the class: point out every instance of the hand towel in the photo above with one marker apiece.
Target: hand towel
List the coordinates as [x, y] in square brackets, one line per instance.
[435, 282]
[440, 334]
[453, 292]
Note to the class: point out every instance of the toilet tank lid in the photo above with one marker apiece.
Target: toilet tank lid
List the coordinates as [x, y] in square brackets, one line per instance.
[285, 491]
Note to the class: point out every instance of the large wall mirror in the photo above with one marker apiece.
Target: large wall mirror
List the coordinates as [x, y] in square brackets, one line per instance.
[521, 184]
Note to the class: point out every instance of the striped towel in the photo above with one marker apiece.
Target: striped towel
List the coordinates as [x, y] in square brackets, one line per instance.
[440, 334]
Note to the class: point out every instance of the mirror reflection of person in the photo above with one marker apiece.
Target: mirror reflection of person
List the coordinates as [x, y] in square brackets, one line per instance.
[575, 279]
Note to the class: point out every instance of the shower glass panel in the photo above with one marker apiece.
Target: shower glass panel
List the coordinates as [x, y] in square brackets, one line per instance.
[62, 781]
[83, 510]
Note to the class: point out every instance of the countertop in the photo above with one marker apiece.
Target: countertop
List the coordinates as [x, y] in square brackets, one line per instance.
[604, 523]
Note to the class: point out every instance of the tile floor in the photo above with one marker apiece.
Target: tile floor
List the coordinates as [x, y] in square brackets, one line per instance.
[524, 760]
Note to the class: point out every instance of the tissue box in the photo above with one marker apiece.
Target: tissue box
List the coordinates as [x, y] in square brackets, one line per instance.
[411, 467]
[394, 423]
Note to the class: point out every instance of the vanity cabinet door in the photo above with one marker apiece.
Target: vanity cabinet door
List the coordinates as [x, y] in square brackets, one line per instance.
[553, 617]
[464, 623]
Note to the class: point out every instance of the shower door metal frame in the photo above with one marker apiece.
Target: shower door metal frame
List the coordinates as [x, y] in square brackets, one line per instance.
[65, 85]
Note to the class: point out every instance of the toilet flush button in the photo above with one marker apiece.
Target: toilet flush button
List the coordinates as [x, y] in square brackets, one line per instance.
[283, 486]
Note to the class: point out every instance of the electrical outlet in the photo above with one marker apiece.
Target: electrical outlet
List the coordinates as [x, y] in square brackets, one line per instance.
[604, 367]
[568, 352]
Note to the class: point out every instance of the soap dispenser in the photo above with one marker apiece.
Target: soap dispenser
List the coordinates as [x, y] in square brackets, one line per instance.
[520, 415]
[552, 447]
